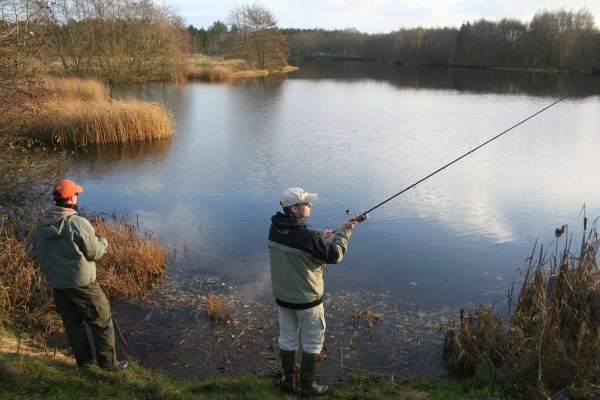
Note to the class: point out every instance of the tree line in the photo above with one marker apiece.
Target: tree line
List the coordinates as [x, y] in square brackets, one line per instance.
[560, 39]
[141, 40]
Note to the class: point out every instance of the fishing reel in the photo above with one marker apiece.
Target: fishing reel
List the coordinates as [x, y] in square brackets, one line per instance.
[359, 217]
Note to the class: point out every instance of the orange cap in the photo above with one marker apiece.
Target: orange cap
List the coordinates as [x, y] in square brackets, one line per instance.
[65, 189]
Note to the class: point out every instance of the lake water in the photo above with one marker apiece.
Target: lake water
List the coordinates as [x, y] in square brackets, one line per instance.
[357, 134]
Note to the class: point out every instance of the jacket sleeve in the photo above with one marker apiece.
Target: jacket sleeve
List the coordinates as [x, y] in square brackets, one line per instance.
[91, 246]
[331, 253]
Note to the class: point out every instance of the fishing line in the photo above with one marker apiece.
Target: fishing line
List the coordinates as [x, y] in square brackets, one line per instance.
[364, 215]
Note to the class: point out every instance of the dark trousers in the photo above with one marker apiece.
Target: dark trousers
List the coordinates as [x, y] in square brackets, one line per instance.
[87, 305]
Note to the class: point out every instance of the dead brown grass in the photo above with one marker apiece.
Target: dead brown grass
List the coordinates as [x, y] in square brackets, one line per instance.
[550, 342]
[217, 309]
[56, 87]
[25, 298]
[133, 265]
[79, 112]
[75, 122]
[212, 74]
[134, 262]
[218, 70]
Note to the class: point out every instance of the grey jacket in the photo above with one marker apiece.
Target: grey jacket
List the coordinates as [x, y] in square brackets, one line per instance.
[297, 257]
[67, 248]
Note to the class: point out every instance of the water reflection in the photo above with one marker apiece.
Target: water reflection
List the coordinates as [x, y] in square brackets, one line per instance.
[357, 134]
[357, 142]
[462, 79]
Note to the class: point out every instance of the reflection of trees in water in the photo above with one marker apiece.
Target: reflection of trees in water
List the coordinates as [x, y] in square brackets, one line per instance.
[476, 80]
[108, 159]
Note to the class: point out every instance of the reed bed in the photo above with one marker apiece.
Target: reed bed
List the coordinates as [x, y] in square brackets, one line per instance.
[550, 340]
[212, 74]
[76, 122]
[79, 112]
[133, 265]
[72, 88]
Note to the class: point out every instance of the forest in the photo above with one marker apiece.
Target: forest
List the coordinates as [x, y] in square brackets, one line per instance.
[556, 40]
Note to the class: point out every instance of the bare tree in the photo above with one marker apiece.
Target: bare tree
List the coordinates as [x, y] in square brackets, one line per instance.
[23, 41]
[255, 37]
[122, 40]
[26, 168]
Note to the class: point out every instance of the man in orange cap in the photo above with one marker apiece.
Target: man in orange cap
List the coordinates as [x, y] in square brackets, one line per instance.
[67, 247]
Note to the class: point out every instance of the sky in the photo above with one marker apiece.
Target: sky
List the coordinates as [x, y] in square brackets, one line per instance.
[377, 16]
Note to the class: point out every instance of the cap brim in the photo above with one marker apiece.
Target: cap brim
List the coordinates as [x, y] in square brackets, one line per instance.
[310, 197]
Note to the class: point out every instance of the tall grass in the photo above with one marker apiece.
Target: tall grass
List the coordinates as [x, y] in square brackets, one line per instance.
[76, 112]
[72, 88]
[212, 74]
[217, 309]
[126, 273]
[133, 263]
[25, 298]
[550, 341]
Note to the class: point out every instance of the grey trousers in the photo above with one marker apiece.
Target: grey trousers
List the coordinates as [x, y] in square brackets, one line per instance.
[87, 305]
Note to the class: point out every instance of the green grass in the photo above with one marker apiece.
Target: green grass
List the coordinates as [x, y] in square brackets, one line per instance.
[31, 377]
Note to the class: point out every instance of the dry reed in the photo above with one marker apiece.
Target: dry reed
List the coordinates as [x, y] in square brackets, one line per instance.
[212, 74]
[78, 112]
[217, 310]
[551, 340]
[127, 272]
[71, 88]
[25, 298]
[133, 264]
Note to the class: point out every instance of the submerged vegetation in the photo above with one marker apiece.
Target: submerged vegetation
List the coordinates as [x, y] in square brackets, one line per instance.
[550, 342]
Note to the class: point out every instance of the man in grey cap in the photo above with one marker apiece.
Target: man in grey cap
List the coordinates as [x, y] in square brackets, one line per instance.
[297, 257]
[67, 248]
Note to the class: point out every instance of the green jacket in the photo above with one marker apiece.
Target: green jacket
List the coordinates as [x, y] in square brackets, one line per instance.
[67, 248]
[297, 257]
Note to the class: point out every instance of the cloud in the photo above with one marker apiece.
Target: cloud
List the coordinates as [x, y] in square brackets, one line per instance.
[379, 16]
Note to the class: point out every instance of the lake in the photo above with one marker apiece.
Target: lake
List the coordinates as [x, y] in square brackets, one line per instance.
[357, 134]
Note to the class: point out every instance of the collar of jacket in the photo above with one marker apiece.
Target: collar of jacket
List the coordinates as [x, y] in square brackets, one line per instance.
[283, 221]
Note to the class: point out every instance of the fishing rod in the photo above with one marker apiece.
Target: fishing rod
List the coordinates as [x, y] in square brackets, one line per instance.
[364, 215]
[128, 240]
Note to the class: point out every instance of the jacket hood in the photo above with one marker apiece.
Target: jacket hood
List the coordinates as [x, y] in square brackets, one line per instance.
[51, 216]
[283, 221]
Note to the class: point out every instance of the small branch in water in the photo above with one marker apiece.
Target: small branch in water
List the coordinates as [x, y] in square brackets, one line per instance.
[237, 337]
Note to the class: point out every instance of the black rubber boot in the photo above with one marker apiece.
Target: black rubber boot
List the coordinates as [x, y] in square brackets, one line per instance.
[288, 364]
[308, 375]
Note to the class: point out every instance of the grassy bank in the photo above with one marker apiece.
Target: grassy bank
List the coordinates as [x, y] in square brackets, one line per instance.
[31, 375]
